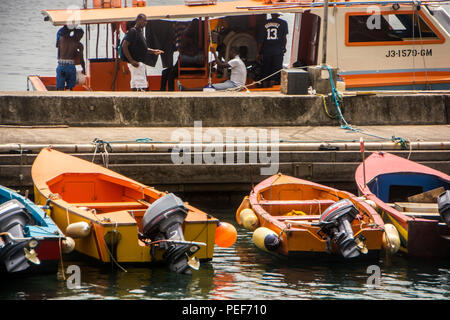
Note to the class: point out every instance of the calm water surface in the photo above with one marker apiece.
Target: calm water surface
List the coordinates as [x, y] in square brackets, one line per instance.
[243, 272]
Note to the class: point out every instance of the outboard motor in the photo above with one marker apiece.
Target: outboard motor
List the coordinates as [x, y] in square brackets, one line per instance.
[16, 251]
[162, 222]
[444, 206]
[335, 222]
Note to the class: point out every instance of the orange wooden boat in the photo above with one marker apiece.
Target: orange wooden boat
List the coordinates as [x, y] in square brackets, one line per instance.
[116, 219]
[295, 217]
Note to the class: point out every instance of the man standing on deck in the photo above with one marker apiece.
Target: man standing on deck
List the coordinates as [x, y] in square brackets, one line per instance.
[271, 48]
[135, 49]
[70, 52]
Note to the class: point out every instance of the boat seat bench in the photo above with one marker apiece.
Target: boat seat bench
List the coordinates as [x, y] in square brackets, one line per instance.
[423, 215]
[416, 207]
[104, 205]
[305, 217]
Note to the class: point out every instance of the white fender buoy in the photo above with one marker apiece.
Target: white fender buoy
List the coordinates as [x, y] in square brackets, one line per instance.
[371, 203]
[391, 239]
[68, 245]
[78, 229]
[266, 239]
[249, 219]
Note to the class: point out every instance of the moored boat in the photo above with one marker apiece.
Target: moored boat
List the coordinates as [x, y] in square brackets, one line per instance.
[294, 217]
[407, 42]
[406, 193]
[116, 219]
[29, 239]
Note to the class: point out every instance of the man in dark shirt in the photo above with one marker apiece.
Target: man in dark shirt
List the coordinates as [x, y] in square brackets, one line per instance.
[135, 50]
[271, 48]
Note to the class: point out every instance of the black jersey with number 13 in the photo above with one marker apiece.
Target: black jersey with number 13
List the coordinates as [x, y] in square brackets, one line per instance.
[272, 35]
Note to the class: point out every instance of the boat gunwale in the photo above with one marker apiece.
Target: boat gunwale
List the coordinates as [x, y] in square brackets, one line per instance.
[42, 187]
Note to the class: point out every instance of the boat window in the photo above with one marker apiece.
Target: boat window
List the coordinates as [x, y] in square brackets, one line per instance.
[441, 16]
[398, 27]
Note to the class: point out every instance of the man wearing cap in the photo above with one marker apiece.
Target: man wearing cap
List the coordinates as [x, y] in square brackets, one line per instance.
[271, 48]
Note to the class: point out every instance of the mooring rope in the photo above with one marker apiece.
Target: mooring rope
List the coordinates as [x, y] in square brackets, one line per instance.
[337, 97]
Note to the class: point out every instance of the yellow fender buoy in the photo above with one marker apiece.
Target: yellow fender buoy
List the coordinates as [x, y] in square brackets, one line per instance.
[266, 239]
[391, 239]
[78, 229]
[249, 219]
[68, 245]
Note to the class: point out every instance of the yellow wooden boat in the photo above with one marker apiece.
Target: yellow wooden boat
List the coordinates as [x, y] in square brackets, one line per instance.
[112, 217]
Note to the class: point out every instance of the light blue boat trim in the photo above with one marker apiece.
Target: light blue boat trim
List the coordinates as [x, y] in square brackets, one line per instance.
[44, 228]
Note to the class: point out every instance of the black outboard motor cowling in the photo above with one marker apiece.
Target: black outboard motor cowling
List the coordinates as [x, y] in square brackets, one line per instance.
[335, 222]
[13, 245]
[163, 220]
[444, 206]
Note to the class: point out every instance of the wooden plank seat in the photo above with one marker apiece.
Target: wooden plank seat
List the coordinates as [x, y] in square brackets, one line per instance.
[416, 207]
[423, 215]
[306, 217]
[325, 202]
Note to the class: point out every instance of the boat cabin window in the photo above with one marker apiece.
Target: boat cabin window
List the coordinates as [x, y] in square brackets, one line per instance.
[398, 27]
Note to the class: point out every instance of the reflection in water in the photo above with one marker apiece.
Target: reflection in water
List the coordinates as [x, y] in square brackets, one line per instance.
[243, 272]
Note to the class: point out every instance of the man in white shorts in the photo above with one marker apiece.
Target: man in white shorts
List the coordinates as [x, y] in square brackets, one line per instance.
[238, 75]
[135, 49]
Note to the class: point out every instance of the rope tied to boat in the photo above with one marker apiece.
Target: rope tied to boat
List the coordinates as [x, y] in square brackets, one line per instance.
[106, 146]
[245, 86]
[403, 143]
[61, 258]
[113, 260]
[338, 100]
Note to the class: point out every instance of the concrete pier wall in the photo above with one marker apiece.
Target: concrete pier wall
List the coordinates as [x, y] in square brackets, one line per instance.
[216, 109]
[332, 168]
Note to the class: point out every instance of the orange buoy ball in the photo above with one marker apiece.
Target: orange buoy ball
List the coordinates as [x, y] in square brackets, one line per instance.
[226, 235]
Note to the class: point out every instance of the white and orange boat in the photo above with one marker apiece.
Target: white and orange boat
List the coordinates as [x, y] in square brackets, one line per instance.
[375, 45]
[115, 219]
